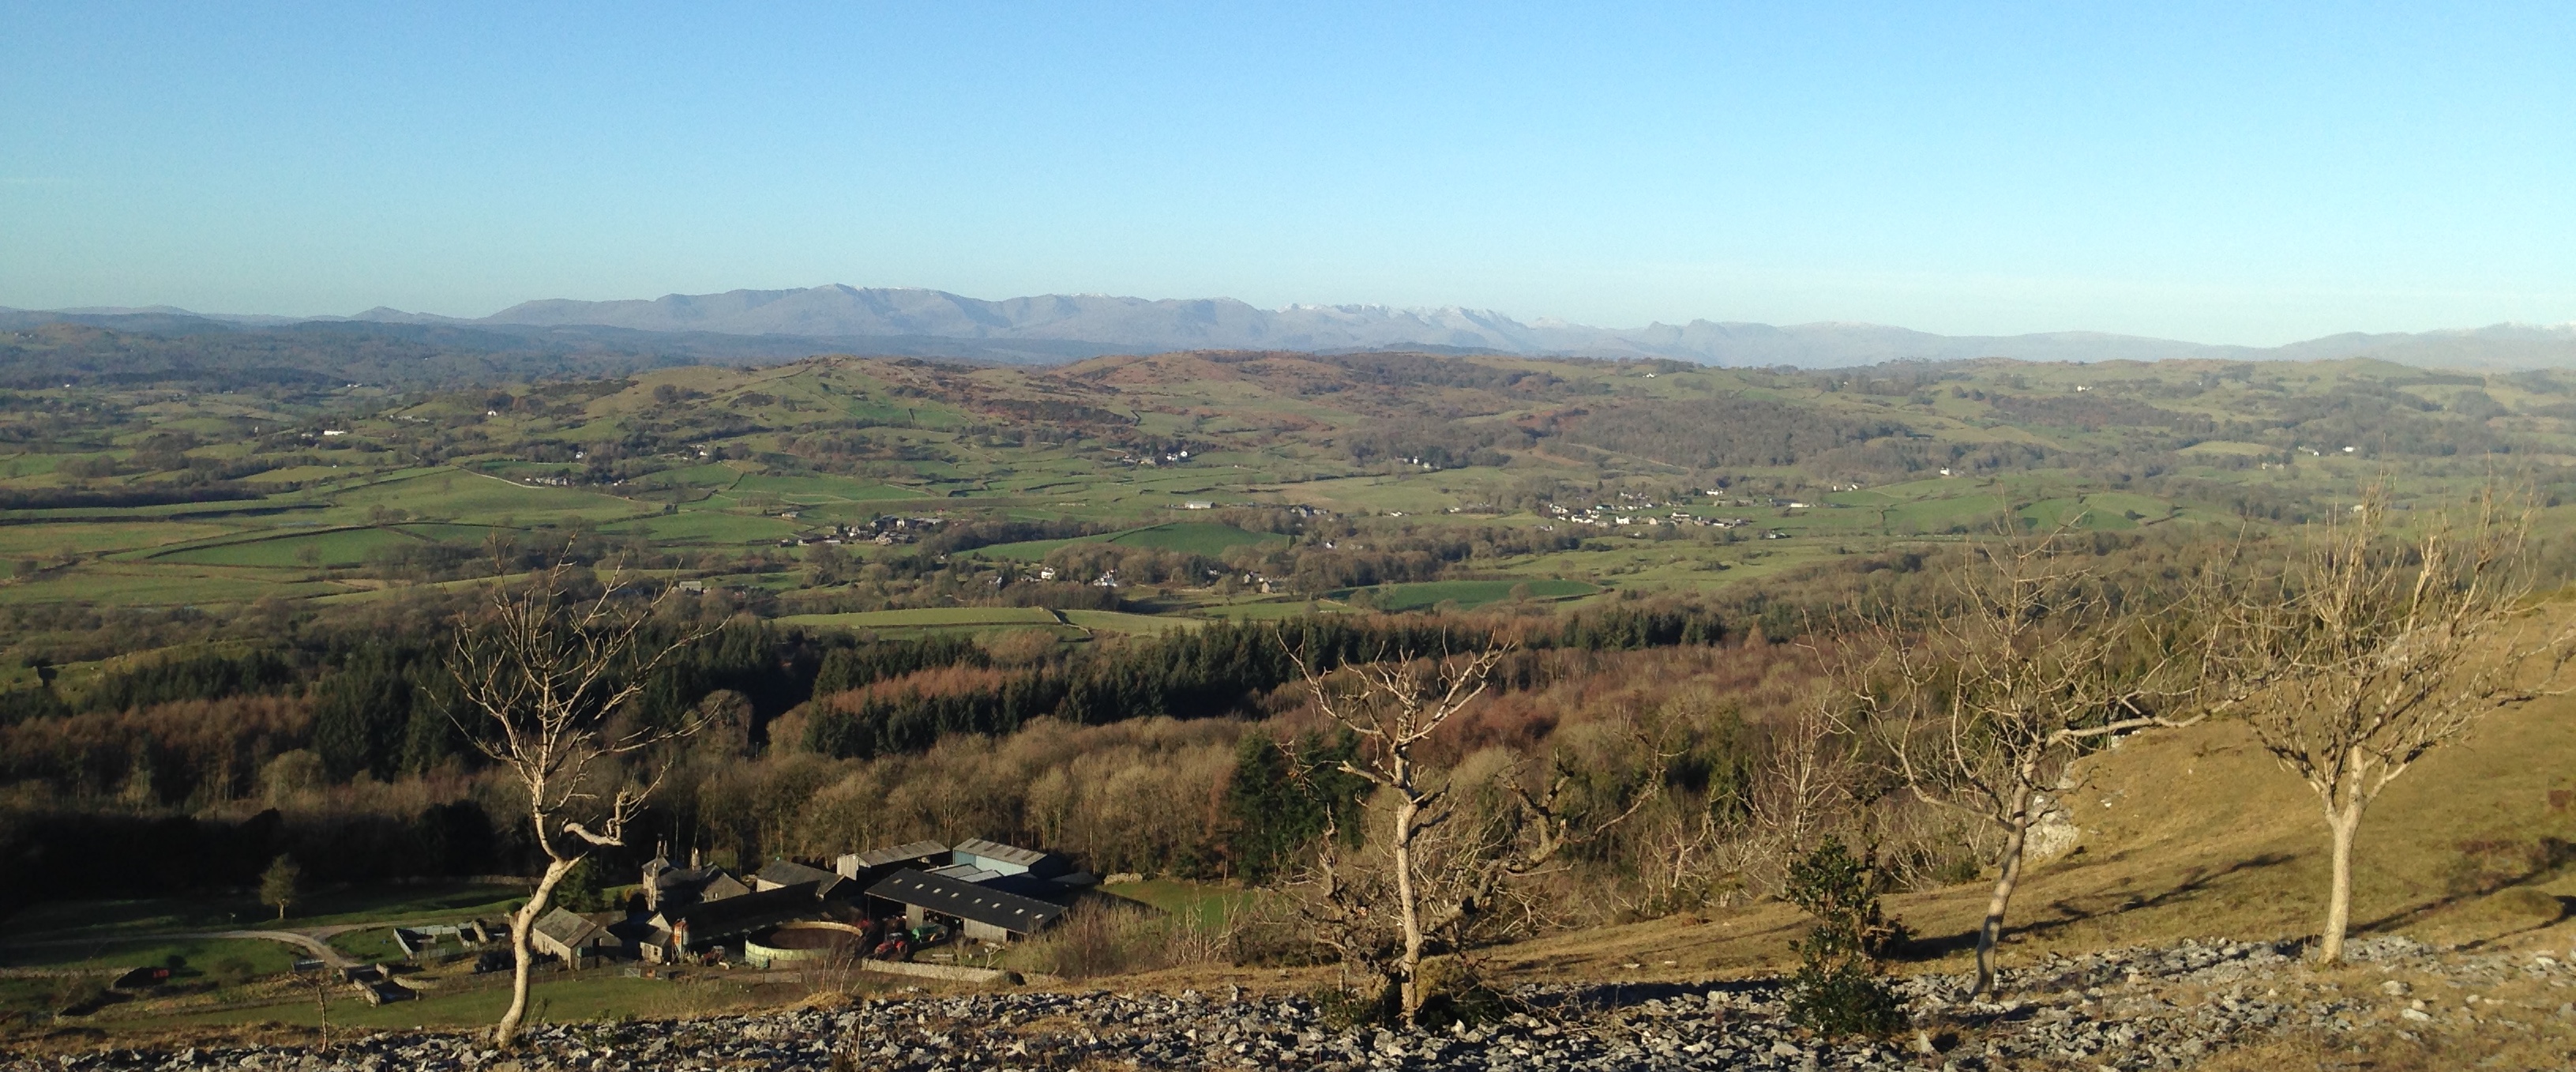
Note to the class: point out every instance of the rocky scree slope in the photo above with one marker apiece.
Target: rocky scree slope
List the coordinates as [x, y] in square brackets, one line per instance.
[2127, 1009]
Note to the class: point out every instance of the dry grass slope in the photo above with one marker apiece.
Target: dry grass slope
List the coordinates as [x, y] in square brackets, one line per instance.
[2197, 833]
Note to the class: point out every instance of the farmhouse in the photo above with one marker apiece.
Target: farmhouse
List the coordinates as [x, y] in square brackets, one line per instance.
[666, 886]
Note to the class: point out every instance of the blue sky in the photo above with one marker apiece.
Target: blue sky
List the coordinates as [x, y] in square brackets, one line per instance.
[2219, 172]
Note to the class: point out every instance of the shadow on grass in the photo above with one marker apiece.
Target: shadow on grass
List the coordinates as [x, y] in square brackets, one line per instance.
[2548, 858]
[2195, 882]
[57, 920]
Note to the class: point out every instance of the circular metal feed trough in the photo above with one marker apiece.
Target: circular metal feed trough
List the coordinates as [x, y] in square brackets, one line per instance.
[790, 943]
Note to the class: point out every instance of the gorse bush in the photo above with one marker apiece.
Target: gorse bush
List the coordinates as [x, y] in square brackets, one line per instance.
[1452, 995]
[1838, 989]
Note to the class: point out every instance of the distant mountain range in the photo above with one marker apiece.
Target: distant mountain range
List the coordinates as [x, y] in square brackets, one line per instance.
[1056, 327]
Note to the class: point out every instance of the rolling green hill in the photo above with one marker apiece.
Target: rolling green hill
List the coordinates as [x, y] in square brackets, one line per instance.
[835, 483]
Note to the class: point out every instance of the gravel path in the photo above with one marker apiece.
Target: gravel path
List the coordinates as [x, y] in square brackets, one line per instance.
[2130, 1009]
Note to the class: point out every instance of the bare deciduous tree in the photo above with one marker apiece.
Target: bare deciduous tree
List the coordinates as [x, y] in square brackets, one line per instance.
[2363, 649]
[1444, 878]
[1808, 772]
[1987, 699]
[541, 671]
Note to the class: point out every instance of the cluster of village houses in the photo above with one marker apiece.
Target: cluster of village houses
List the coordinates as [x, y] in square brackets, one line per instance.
[884, 531]
[889, 901]
[1608, 514]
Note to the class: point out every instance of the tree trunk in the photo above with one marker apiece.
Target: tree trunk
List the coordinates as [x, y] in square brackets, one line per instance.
[1410, 985]
[2341, 823]
[522, 954]
[2016, 835]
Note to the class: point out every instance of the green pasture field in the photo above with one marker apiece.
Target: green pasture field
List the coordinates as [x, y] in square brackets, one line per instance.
[271, 510]
[298, 474]
[1909, 491]
[710, 475]
[458, 496]
[708, 527]
[133, 951]
[105, 537]
[1117, 622]
[1466, 594]
[374, 945]
[926, 618]
[35, 994]
[2101, 510]
[444, 902]
[1972, 513]
[820, 488]
[1028, 550]
[1207, 902]
[512, 469]
[445, 532]
[331, 547]
[2225, 446]
[26, 465]
[1416, 493]
[2148, 508]
[1188, 537]
[142, 584]
[1193, 537]
[1270, 609]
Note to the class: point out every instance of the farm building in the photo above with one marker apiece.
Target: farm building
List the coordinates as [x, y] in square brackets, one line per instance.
[677, 932]
[994, 892]
[1009, 859]
[669, 887]
[782, 873]
[982, 912]
[986, 890]
[875, 863]
[565, 934]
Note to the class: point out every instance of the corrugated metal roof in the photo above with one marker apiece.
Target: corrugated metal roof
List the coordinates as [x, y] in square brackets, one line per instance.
[900, 853]
[967, 901]
[789, 873]
[566, 926]
[710, 920]
[966, 873]
[994, 850]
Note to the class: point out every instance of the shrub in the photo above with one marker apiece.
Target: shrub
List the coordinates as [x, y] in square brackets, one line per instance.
[231, 971]
[1454, 995]
[80, 995]
[1838, 989]
[1102, 937]
[1342, 1008]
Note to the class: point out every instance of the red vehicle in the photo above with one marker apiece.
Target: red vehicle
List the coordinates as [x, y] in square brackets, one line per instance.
[897, 946]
